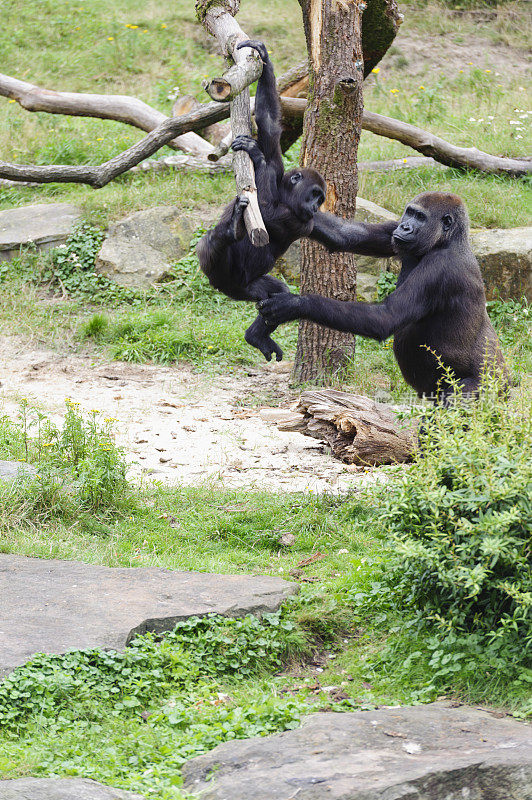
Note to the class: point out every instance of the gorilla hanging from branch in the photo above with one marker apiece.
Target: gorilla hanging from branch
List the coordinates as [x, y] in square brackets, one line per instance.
[437, 313]
[287, 201]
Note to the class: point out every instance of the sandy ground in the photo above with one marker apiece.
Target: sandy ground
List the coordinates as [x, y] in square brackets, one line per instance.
[178, 426]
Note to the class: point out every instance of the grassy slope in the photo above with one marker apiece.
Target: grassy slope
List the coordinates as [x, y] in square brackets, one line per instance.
[90, 48]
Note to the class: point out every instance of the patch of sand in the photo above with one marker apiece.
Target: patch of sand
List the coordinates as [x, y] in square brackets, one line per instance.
[177, 426]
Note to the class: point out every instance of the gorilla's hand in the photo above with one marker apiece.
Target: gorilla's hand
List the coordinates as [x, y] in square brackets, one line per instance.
[260, 47]
[246, 143]
[280, 308]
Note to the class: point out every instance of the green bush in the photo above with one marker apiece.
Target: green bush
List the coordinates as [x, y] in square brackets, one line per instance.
[79, 466]
[148, 669]
[458, 565]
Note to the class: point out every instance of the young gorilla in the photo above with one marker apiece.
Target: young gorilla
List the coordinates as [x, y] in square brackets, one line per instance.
[288, 203]
[436, 313]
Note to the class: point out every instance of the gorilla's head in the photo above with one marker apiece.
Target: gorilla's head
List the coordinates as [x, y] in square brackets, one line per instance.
[304, 191]
[430, 221]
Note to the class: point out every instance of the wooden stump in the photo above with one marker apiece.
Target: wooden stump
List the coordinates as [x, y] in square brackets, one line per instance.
[357, 429]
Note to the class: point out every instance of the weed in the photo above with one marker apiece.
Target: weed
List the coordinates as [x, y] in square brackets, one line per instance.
[457, 530]
[77, 466]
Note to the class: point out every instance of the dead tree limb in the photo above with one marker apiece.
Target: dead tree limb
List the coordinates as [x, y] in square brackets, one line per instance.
[358, 430]
[427, 143]
[234, 86]
[292, 109]
[118, 107]
[100, 175]
[441, 150]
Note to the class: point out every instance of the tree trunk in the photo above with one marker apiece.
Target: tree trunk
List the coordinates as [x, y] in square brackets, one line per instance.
[331, 135]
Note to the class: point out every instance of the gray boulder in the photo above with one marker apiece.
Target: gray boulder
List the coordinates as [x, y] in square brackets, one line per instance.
[55, 606]
[505, 258]
[45, 225]
[61, 789]
[138, 251]
[13, 470]
[431, 752]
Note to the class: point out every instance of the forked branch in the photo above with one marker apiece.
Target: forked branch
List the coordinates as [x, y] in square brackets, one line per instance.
[119, 107]
[220, 22]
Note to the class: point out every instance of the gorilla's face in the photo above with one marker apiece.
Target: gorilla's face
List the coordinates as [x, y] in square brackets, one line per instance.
[428, 222]
[304, 191]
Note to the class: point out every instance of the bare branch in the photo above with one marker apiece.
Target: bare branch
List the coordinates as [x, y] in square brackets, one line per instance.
[440, 149]
[220, 22]
[118, 107]
[293, 108]
[98, 176]
[427, 143]
[247, 68]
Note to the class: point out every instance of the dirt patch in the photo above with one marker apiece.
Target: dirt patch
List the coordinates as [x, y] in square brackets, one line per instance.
[181, 427]
[420, 55]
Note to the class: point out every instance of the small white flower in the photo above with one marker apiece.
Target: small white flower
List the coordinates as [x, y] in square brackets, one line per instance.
[343, 550]
[472, 119]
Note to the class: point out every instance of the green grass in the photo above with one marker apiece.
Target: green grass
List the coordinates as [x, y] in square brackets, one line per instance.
[70, 40]
[164, 705]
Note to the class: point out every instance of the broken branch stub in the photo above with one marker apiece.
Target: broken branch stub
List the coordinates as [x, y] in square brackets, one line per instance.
[233, 86]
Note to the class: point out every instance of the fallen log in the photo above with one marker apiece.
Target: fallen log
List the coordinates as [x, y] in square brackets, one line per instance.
[118, 107]
[425, 142]
[292, 110]
[357, 429]
[101, 174]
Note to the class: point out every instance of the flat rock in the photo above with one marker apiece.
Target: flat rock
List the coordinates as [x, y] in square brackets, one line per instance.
[430, 752]
[45, 225]
[11, 470]
[61, 789]
[55, 606]
[139, 250]
[505, 258]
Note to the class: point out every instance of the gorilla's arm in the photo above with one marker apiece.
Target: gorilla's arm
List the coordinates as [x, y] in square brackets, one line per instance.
[367, 239]
[267, 111]
[410, 302]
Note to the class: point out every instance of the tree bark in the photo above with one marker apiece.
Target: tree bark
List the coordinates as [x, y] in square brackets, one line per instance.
[358, 430]
[331, 135]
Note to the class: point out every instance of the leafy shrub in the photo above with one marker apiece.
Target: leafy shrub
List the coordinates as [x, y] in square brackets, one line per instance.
[512, 319]
[212, 646]
[386, 283]
[458, 567]
[50, 684]
[78, 464]
[246, 646]
[69, 269]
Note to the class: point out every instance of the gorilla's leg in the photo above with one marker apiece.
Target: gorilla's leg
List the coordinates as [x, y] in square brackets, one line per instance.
[214, 247]
[236, 226]
[258, 333]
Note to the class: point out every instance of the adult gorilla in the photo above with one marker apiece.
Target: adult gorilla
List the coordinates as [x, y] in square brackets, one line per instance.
[437, 313]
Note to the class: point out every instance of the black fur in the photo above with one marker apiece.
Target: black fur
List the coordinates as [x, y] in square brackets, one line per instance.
[437, 313]
[288, 203]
